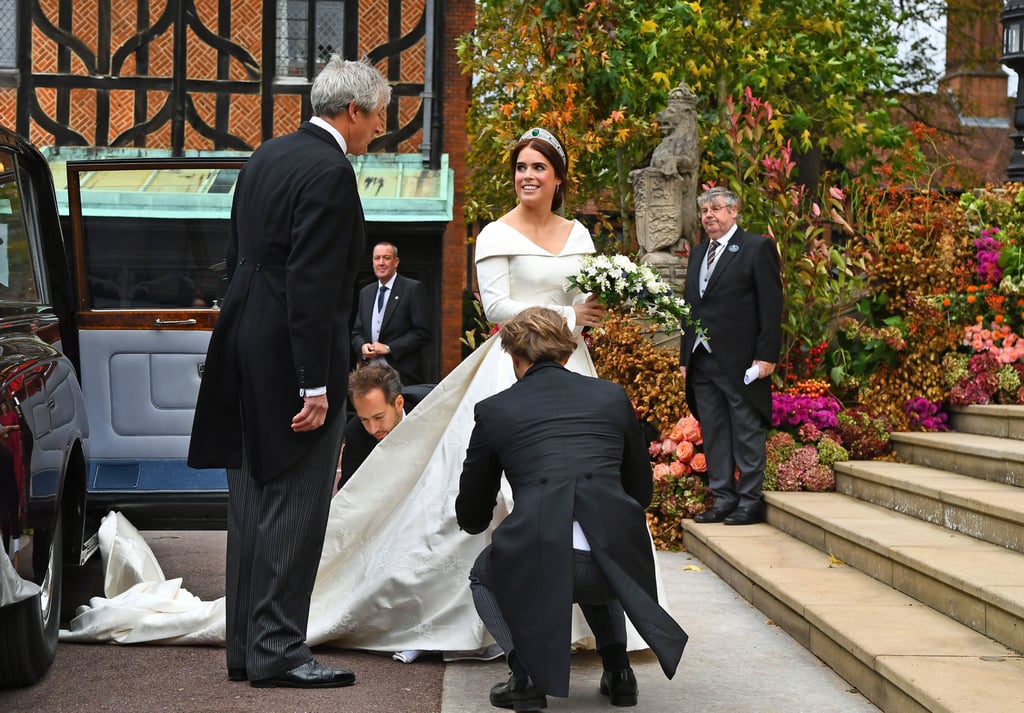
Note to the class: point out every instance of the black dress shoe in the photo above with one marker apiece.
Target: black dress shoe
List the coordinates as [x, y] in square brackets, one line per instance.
[237, 674]
[311, 674]
[715, 514]
[619, 686]
[746, 516]
[518, 693]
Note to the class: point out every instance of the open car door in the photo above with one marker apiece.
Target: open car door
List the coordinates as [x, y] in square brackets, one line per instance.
[148, 241]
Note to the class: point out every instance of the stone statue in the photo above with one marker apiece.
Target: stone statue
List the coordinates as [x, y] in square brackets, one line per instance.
[665, 192]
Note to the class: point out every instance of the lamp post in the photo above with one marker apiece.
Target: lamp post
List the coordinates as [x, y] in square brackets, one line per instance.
[1012, 18]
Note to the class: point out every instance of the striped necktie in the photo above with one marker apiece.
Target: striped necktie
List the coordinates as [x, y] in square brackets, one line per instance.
[712, 252]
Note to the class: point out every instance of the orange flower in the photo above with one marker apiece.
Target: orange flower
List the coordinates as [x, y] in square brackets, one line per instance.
[972, 288]
[999, 318]
[691, 430]
[684, 452]
[979, 319]
[676, 434]
[970, 299]
[698, 463]
[945, 302]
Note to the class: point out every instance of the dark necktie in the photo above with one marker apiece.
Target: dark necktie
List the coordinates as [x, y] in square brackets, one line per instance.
[380, 297]
[712, 251]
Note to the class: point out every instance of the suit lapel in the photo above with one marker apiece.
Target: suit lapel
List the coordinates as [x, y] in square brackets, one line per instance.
[392, 302]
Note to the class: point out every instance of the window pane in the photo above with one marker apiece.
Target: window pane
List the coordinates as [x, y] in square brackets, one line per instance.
[330, 21]
[8, 34]
[294, 24]
[17, 276]
[156, 238]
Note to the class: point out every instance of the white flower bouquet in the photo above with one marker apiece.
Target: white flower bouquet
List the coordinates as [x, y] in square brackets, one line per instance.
[620, 283]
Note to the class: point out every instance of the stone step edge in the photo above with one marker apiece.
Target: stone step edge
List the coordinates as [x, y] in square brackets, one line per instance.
[981, 446]
[979, 512]
[999, 424]
[1004, 599]
[818, 628]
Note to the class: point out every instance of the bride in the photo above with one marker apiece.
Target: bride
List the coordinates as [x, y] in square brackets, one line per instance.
[393, 574]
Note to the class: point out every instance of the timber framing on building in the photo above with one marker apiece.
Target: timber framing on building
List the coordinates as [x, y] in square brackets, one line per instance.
[225, 75]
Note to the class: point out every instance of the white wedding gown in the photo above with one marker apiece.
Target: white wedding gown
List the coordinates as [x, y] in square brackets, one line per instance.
[393, 575]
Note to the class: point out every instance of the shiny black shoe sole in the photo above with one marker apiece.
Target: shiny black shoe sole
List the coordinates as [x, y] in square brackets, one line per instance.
[284, 683]
[521, 704]
[711, 515]
[623, 700]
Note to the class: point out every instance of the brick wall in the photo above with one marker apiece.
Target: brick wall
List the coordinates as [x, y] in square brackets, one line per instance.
[460, 18]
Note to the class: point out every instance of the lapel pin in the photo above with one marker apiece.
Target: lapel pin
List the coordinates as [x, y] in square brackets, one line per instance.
[734, 248]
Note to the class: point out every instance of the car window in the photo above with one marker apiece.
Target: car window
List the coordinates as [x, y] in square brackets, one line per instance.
[18, 274]
[155, 238]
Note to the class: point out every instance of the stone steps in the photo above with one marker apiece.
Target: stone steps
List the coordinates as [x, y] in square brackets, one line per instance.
[986, 510]
[909, 580]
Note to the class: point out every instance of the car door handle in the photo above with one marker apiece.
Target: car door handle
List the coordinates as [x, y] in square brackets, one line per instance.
[173, 322]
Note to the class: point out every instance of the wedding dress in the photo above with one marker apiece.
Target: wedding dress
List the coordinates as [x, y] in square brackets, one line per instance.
[393, 575]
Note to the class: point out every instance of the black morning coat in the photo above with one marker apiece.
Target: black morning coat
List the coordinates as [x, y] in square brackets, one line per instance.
[741, 312]
[570, 447]
[297, 238]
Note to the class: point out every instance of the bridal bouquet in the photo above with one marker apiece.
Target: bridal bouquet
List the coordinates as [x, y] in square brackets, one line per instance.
[621, 283]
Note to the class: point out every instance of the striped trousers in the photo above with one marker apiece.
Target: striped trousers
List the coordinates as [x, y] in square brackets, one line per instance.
[275, 539]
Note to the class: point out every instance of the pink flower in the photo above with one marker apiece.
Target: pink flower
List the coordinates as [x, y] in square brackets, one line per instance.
[654, 449]
[698, 463]
[661, 471]
[668, 445]
[678, 469]
[691, 430]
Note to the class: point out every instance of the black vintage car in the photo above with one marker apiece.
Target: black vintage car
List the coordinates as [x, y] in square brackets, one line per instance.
[103, 332]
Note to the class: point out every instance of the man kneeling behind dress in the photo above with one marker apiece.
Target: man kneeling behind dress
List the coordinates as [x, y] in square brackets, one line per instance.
[577, 462]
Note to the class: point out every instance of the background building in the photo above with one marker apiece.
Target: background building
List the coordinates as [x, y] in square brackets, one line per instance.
[184, 76]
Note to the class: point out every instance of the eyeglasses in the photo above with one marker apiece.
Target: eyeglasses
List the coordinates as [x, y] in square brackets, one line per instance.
[705, 209]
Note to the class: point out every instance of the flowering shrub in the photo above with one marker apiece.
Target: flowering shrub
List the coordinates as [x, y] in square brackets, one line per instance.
[679, 489]
[1000, 340]
[988, 248]
[797, 409]
[925, 415]
[982, 379]
[863, 434]
[621, 283]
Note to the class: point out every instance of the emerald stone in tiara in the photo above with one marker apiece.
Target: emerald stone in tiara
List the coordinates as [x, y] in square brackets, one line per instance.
[547, 136]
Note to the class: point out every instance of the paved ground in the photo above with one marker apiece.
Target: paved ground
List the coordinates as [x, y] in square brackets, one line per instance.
[736, 662]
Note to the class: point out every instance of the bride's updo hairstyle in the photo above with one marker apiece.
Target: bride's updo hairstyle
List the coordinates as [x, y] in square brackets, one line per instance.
[538, 334]
[544, 141]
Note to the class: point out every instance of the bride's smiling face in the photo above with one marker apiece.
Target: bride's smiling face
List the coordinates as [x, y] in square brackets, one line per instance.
[535, 179]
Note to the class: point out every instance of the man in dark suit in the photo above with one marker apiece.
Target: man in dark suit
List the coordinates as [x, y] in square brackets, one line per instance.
[279, 350]
[576, 459]
[380, 402]
[734, 288]
[392, 322]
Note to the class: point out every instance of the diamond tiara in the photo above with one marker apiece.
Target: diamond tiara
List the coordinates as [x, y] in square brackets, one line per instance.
[544, 135]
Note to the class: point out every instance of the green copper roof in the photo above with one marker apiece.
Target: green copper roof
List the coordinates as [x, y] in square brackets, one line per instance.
[394, 188]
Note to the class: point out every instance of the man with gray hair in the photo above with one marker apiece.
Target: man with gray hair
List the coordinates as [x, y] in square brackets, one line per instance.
[734, 288]
[279, 351]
